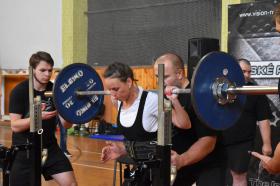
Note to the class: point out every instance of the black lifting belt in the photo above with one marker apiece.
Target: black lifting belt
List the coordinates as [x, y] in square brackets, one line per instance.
[144, 150]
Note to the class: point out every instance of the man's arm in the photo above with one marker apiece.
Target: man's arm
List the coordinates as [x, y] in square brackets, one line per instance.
[180, 117]
[18, 124]
[199, 150]
[265, 130]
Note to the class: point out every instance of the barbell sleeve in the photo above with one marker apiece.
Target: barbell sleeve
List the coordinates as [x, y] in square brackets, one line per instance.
[253, 90]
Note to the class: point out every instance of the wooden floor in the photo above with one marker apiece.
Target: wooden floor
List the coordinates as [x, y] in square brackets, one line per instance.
[89, 171]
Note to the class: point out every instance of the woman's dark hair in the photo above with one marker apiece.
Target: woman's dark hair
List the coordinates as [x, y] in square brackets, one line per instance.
[120, 71]
[40, 56]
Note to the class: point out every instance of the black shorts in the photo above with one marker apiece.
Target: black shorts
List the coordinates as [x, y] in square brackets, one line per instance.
[56, 163]
[202, 175]
[237, 156]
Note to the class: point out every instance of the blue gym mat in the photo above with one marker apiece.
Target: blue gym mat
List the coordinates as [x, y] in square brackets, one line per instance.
[107, 137]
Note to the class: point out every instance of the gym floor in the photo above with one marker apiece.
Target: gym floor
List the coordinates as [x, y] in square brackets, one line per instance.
[88, 168]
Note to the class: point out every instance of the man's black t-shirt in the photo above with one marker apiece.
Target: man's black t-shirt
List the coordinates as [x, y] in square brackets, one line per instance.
[183, 139]
[19, 104]
[256, 109]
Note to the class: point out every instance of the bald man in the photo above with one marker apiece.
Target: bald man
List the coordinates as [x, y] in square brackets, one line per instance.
[239, 139]
[193, 148]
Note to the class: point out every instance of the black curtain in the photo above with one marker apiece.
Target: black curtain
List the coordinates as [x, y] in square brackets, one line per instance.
[135, 32]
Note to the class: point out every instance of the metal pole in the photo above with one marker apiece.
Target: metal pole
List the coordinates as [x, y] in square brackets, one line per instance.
[36, 140]
[31, 99]
[162, 174]
[253, 90]
[160, 134]
[35, 115]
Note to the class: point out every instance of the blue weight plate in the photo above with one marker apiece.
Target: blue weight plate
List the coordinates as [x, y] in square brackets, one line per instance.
[209, 111]
[72, 78]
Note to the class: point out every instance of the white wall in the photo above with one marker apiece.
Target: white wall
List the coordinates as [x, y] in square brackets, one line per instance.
[27, 26]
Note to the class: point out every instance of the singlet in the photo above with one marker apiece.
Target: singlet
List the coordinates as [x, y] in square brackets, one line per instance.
[136, 132]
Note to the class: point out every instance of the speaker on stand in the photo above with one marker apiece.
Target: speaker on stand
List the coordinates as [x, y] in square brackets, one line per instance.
[197, 48]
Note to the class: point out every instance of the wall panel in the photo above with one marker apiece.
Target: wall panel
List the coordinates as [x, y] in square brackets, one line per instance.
[10, 82]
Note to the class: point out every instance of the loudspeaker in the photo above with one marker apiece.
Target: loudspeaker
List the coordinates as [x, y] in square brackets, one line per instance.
[197, 48]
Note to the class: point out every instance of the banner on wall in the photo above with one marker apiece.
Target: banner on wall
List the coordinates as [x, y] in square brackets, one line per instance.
[252, 35]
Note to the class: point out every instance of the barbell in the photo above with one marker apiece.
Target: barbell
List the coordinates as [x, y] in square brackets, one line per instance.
[217, 91]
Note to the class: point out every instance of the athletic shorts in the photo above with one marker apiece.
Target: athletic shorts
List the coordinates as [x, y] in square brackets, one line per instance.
[56, 163]
[238, 157]
[206, 175]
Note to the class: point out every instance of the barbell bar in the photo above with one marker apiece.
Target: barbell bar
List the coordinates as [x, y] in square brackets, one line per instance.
[78, 91]
[84, 93]
[107, 92]
[252, 90]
